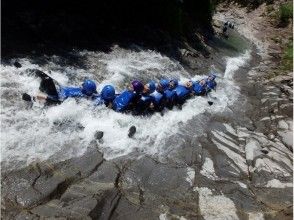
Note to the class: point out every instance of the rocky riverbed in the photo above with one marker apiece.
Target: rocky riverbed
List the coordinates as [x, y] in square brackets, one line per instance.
[239, 166]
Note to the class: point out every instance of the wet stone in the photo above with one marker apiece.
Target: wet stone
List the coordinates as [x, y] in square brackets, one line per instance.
[17, 64]
[98, 135]
[127, 210]
[39, 182]
[55, 208]
[132, 131]
[283, 125]
[27, 216]
[276, 198]
[157, 177]
[107, 173]
[264, 150]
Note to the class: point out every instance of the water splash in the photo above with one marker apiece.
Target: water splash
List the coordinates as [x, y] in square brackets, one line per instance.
[64, 131]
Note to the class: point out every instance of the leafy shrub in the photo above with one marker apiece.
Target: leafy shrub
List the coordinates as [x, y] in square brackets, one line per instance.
[286, 12]
[287, 60]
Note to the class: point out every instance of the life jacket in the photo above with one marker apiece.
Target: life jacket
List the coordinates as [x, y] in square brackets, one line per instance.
[199, 89]
[158, 100]
[158, 97]
[123, 101]
[143, 104]
[182, 93]
[171, 97]
[146, 99]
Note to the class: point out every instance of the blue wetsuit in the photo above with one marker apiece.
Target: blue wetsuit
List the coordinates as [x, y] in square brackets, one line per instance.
[142, 106]
[170, 96]
[183, 93]
[66, 92]
[125, 101]
[199, 89]
[57, 93]
[158, 100]
[211, 84]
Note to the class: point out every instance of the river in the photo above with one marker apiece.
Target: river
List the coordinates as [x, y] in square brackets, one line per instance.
[199, 151]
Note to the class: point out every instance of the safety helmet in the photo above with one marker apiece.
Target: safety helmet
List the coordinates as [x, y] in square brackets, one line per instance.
[137, 86]
[164, 83]
[151, 86]
[175, 82]
[212, 76]
[89, 87]
[108, 92]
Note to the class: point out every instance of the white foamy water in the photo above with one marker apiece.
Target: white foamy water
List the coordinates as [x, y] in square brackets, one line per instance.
[37, 133]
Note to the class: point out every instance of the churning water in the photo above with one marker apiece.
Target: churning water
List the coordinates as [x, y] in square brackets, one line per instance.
[34, 133]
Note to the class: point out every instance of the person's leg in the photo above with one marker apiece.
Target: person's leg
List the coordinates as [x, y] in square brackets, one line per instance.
[47, 86]
[39, 73]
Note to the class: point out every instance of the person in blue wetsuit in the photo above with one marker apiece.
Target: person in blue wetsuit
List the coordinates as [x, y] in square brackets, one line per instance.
[200, 87]
[56, 93]
[87, 90]
[106, 96]
[128, 98]
[184, 92]
[211, 83]
[158, 95]
[170, 94]
[144, 105]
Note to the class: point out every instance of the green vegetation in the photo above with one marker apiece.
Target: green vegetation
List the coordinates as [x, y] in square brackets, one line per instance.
[286, 12]
[287, 59]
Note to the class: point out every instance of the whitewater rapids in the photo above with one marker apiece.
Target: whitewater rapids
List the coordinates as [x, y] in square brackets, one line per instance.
[34, 133]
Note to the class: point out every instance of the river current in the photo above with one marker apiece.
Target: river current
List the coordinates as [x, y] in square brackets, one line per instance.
[36, 133]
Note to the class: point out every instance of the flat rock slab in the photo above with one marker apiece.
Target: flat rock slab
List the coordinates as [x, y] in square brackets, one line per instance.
[39, 182]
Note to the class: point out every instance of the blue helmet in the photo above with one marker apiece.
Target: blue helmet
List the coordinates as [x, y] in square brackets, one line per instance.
[89, 87]
[108, 92]
[212, 76]
[175, 82]
[164, 83]
[151, 85]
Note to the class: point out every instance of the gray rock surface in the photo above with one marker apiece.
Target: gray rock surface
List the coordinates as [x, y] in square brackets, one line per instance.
[42, 182]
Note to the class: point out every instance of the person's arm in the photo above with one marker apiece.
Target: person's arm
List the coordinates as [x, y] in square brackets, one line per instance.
[109, 105]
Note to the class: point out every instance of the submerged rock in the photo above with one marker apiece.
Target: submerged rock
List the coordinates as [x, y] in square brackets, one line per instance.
[17, 64]
[132, 131]
[98, 135]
